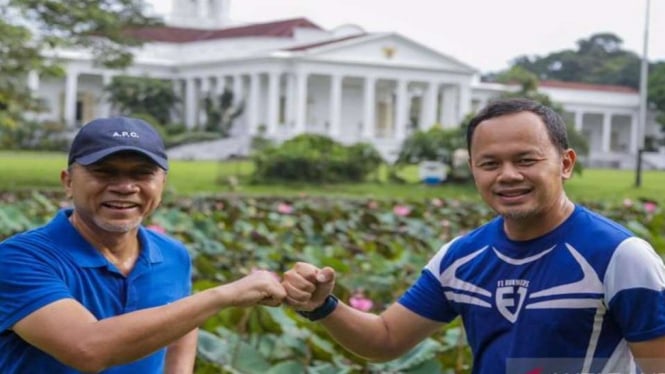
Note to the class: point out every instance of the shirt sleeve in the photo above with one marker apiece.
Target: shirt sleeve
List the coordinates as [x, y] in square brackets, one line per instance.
[635, 290]
[29, 280]
[426, 296]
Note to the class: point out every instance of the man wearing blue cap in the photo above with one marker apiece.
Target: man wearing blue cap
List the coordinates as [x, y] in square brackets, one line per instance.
[93, 290]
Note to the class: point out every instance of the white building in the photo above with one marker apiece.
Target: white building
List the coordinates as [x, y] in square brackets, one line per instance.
[295, 77]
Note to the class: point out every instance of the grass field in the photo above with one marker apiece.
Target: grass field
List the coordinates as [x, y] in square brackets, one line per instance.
[40, 170]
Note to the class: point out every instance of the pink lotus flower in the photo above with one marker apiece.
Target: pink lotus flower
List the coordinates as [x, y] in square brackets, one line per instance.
[360, 302]
[627, 203]
[157, 228]
[437, 202]
[650, 207]
[401, 210]
[285, 208]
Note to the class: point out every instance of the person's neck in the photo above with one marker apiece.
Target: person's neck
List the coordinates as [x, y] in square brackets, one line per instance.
[121, 249]
[536, 226]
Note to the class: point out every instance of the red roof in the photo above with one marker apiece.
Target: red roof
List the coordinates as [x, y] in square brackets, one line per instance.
[170, 34]
[320, 44]
[587, 86]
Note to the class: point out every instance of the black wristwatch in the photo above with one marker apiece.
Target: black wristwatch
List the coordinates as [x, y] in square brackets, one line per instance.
[322, 311]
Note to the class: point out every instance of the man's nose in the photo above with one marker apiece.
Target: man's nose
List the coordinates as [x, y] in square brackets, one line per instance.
[124, 184]
[509, 172]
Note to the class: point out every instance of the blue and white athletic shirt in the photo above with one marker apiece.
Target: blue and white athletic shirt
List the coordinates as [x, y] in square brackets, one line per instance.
[576, 296]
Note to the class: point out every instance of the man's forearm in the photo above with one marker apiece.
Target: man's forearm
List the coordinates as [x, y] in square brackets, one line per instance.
[181, 354]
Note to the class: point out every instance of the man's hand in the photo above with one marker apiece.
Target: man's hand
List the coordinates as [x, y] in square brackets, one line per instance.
[307, 286]
[260, 287]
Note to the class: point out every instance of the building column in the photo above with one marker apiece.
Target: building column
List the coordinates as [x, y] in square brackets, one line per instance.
[205, 86]
[104, 103]
[579, 120]
[253, 107]
[205, 93]
[369, 108]
[289, 98]
[32, 83]
[429, 104]
[448, 105]
[220, 84]
[178, 90]
[401, 111]
[607, 131]
[633, 133]
[71, 88]
[301, 103]
[238, 93]
[191, 106]
[464, 104]
[273, 102]
[335, 104]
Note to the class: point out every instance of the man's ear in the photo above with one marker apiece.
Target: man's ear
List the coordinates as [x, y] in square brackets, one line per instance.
[568, 158]
[66, 180]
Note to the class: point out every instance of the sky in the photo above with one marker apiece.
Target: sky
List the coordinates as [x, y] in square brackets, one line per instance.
[486, 34]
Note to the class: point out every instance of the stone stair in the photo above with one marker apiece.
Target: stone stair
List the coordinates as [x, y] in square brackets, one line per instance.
[221, 149]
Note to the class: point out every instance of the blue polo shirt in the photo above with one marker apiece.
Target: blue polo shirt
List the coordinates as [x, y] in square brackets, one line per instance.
[54, 262]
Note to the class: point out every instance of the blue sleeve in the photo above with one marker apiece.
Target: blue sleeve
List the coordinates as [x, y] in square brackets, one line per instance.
[188, 272]
[635, 290]
[427, 299]
[28, 281]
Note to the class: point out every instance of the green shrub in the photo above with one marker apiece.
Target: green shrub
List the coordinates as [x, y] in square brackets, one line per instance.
[143, 95]
[35, 135]
[260, 143]
[175, 128]
[435, 144]
[316, 159]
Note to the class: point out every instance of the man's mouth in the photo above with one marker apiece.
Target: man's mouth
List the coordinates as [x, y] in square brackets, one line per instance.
[119, 205]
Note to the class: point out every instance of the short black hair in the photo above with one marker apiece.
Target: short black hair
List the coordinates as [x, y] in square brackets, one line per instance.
[556, 128]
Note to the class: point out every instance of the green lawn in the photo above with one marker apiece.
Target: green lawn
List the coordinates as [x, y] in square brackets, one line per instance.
[21, 170]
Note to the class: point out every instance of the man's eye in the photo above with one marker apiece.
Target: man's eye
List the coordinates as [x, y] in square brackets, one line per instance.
[144, 173]
[487, 165]
[101, 172]
[526, 161]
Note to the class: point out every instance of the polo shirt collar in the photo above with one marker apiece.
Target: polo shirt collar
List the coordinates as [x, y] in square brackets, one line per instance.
[83, 253]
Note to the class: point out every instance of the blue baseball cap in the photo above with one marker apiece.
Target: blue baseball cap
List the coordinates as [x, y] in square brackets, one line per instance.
[105, 136]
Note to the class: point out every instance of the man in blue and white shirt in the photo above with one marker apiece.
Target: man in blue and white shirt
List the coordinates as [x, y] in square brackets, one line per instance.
[546, 286]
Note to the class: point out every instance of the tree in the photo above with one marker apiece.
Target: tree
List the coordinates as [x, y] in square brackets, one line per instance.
[221, 113]
[599, 59]
[18, 57]
[657, 91]
[98, 25]
[528, 88]
[143, 95]
[29, 27]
